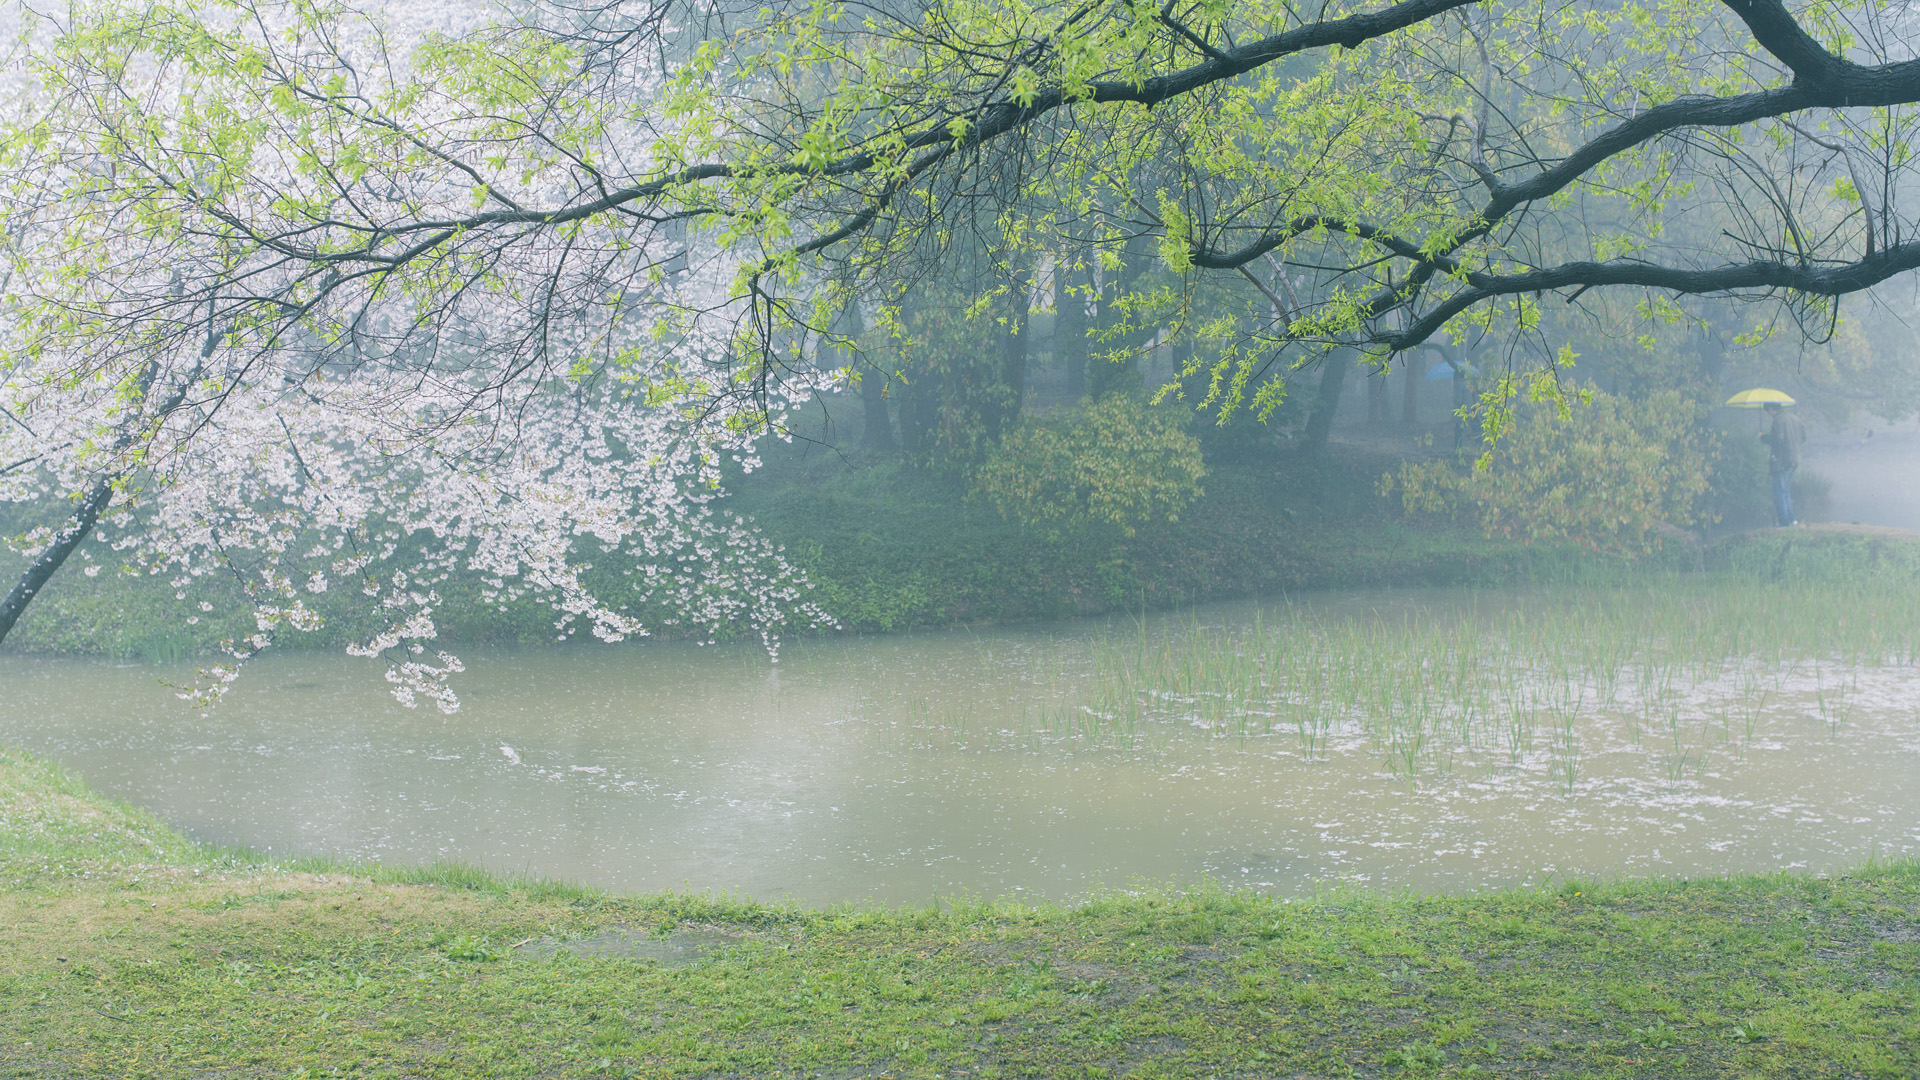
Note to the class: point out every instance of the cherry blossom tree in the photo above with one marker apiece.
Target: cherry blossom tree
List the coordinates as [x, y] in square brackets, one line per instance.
[466, 252]
[217, 404]
[360, 479]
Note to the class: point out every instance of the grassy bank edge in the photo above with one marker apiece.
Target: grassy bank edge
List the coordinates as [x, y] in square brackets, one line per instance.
[131, 943]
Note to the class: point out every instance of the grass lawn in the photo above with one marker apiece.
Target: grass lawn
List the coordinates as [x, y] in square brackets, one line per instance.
[130, 951]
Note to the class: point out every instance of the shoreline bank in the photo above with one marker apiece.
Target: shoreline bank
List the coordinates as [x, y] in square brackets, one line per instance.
[133, 950]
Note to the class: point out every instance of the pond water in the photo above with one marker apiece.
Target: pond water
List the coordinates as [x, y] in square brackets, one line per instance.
[998, 763]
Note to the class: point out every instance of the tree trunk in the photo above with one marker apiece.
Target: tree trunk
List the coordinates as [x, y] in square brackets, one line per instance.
[1070, 327]
[1105, 376]
[1410, 392]
[1377, 397]
[1461, 399]
[1013, 355]
[919, 411]
[64, 543]
[1713, 354]
[1180, 354]
[1456, 360]
[1326, 403]
[876, 433]
[80, 523]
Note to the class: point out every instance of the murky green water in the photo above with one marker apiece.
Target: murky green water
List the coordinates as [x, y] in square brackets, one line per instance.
[903, 768]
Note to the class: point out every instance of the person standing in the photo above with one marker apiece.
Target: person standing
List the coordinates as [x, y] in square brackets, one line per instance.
[1783, 441]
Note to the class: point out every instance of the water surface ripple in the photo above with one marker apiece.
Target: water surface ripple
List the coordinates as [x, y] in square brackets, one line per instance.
[904, 768]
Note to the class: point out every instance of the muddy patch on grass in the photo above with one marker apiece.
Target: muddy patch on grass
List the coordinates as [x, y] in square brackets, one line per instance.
[1082, 981]
[677, 949]
[1898, 933]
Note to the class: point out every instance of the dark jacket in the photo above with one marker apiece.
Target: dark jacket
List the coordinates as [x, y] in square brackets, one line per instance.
[1783, 442]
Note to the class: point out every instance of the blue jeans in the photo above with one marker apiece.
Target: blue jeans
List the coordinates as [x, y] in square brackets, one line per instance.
[1783, 495]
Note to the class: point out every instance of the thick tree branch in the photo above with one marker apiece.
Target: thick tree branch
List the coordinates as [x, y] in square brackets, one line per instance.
[1890, 84]
[1209, 259]
[1820, 80]
[991, 121]
[1828, 83]
[1830, 280]
[1778, 32]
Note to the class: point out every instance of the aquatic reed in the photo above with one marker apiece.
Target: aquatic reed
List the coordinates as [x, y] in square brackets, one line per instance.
[1450, 678]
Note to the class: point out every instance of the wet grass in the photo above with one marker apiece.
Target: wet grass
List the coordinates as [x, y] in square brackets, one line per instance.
[130, 951]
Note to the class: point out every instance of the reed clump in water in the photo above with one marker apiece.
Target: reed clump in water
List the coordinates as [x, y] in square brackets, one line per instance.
[1679, 668]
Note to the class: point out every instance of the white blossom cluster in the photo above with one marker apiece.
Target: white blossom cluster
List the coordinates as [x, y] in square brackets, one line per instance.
[245, 280]
[295, 493]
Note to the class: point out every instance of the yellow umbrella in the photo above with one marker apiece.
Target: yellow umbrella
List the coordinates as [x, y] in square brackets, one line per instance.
[1758, 397]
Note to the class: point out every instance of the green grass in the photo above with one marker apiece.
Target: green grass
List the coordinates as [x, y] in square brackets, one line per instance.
[1819, 555]
[130, 951]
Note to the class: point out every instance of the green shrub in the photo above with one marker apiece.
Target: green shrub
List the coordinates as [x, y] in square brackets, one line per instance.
[1614, 475]
[1741, 495]
[1117, 463]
